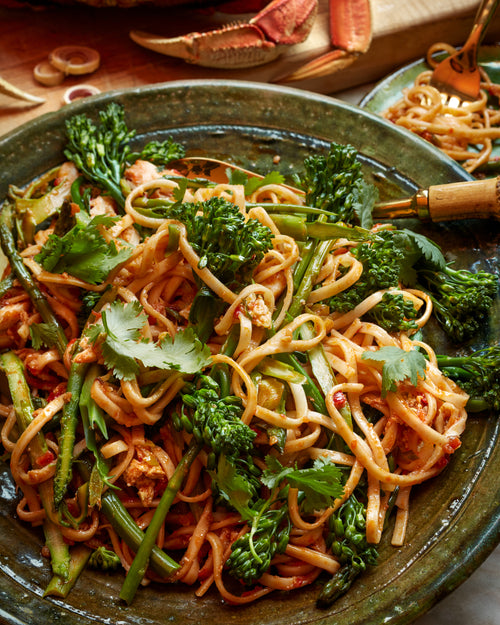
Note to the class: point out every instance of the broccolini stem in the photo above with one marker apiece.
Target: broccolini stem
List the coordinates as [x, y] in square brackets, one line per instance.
[322, 370]
[312, 260]
[23, 407]
[476, 404]
[220, 371]
[477, 375]
[140, 563]
[319, 362]
[306, 285]
[26, 279]
[306, 254]
[6, 284]
[60, 587]
[69, 421]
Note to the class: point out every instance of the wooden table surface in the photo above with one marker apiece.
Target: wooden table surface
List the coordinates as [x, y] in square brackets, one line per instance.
[402, 31]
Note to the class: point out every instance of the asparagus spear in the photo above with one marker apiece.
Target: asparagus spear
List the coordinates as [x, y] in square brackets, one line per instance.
[60, 587]
[140, 563]
[23, 406]
[69, 420]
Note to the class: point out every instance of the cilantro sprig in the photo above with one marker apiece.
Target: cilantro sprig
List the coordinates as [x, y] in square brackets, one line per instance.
[398, 365]
[83, 252]
[320, 483]
[251, 554]
[118, 334]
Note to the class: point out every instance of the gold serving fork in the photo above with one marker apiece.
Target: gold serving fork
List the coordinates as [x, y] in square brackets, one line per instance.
[458, 75]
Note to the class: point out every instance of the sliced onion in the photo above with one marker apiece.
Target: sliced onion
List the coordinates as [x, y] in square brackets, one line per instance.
[75, 59]
[47, 74]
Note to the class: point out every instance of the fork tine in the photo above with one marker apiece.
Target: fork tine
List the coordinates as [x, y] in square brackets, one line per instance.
[459, 74]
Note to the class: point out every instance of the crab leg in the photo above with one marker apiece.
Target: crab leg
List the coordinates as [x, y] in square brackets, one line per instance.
[350, 34]
[280, 23]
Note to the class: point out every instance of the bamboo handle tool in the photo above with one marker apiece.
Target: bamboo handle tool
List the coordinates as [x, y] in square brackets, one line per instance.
[475, 199]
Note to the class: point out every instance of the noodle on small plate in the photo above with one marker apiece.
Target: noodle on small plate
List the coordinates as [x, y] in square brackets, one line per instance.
[468, 132]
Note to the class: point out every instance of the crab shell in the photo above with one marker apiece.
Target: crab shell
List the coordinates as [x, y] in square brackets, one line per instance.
[261, 40]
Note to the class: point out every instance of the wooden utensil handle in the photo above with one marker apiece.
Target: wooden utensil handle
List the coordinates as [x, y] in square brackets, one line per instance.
[477, 199]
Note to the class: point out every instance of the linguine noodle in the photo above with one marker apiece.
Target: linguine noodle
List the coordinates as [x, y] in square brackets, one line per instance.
[464, 130]
[409, 440]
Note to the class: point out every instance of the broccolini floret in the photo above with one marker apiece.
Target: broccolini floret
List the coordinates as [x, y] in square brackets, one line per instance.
[228, 245]
[394, 313]
[461, 299]
[101, 152]
[478, 375]
[104, 559]
[251, 554]
[318, 486]
[382, 261]
[347, 542]
[215, 420]
[334, 183]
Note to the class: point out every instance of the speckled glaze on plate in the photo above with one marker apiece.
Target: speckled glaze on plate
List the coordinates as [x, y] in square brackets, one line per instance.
[454, 519]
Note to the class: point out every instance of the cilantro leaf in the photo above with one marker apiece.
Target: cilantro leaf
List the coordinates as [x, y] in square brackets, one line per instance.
[319, 483]
[398, 366]
[43, 335]
[179, 191]
[364, 201]
[273, 177]
[119, 335]
[428, 249]
[234, 487]
[83, 252]
[236, 176]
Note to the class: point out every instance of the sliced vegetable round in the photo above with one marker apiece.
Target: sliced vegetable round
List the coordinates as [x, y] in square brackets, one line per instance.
[46, 74]
[75, 59]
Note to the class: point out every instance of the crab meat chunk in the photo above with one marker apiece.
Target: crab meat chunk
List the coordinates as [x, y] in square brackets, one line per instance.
[258, 311]
[141, 172]
[144, 473]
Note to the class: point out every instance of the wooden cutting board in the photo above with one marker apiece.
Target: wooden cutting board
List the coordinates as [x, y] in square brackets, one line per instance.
[402, 31]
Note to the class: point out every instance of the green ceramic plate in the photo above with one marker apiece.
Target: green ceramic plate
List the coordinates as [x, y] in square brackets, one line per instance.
[455, 519]
[388, 91]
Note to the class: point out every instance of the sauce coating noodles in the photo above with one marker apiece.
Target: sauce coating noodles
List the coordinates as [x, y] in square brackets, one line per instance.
[395, 441]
